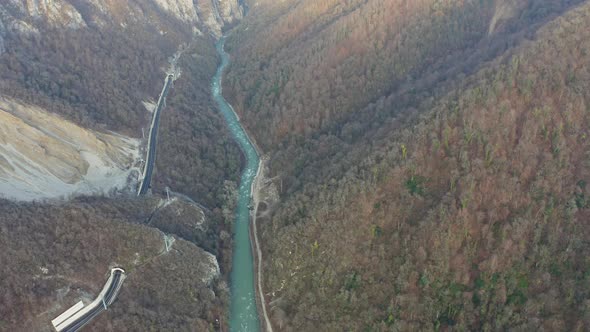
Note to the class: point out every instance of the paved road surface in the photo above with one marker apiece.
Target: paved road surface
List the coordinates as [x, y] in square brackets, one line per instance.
[98, 305]
[153, 139]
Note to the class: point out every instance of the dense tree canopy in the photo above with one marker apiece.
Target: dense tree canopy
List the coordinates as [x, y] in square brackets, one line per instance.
[447, 191]
[53, 255]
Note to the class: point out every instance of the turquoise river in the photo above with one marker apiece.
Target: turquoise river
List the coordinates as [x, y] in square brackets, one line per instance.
[243, 311]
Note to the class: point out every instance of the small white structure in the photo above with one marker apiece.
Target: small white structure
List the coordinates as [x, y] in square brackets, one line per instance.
[67, 314]
[73, 314]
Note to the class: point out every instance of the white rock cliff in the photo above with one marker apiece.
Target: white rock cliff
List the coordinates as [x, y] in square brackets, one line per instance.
[213, 15]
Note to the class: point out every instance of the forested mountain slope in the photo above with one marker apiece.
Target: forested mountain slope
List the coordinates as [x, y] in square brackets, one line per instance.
[55, 255]
[98, 62]
[329, 73]
[447, 189]
[91, 67]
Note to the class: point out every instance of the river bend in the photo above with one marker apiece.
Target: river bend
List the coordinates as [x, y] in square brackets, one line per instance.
[243, 310]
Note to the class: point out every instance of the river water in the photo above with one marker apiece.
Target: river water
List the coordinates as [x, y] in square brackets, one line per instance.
[243, 311]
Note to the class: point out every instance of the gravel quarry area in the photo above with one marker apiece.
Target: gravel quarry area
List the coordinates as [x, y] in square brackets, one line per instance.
[43, 156]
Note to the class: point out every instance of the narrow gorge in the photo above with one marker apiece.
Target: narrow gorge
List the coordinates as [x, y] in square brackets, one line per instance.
[243, 311]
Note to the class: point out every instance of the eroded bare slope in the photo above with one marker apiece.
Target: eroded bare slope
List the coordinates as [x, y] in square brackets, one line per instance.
[44, 156]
